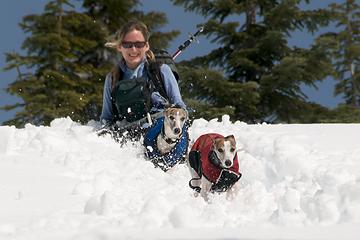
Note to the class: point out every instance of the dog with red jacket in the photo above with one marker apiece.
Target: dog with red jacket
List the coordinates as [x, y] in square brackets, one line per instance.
[213, 164]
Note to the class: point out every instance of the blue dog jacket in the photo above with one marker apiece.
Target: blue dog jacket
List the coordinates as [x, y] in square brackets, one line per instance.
[170, 159]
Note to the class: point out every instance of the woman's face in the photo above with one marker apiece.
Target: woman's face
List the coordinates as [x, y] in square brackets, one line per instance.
[133, 48]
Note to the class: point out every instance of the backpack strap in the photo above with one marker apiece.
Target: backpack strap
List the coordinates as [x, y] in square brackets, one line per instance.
[155, 76]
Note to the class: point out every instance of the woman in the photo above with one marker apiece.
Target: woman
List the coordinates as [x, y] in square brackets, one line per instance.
[129, 90]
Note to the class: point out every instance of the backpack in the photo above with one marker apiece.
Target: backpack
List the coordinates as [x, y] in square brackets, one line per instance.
[163, 56]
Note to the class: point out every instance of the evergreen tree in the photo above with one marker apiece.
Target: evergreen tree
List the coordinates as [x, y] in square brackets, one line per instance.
[111, 13]
[211, 95]
[54, 78]
[344, 114]
[255, 57]
[345, 46]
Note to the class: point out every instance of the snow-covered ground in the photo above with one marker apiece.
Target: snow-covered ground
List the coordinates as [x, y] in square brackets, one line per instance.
[64, 182]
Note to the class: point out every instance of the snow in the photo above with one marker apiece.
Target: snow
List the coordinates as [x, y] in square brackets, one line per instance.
[65, 182]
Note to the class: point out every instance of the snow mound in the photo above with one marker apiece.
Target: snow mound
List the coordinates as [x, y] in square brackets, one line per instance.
[63, 180]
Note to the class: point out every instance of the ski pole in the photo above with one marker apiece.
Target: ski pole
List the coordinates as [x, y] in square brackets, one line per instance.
[183, 46]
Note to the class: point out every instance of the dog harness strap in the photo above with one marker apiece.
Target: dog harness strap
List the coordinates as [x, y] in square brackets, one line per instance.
[225, 181]
[196, 188]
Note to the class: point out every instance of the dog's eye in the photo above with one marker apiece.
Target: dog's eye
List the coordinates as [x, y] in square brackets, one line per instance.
[232, 149]
[172, 118]
[220, 150]
[182, 119]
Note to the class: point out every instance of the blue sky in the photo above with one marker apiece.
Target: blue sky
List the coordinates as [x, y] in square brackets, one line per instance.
[12, 11]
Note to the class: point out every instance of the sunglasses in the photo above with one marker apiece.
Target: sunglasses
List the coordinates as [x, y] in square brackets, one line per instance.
[131, 44]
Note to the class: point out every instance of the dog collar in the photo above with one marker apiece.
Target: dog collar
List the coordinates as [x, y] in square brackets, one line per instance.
[168, 140]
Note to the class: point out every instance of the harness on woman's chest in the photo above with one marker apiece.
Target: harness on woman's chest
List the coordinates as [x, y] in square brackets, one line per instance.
[131, 98]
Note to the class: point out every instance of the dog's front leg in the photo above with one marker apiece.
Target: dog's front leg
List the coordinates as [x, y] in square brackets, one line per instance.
[205, 188]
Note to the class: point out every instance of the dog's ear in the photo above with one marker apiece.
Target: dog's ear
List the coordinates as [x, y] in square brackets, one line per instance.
[230, 137]
[218, 142]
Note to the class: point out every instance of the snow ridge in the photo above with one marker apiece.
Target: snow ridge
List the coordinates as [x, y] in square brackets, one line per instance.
[290, 179]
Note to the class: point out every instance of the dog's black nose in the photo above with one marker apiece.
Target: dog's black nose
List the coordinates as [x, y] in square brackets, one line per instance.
[177, 130]
[228, 163]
